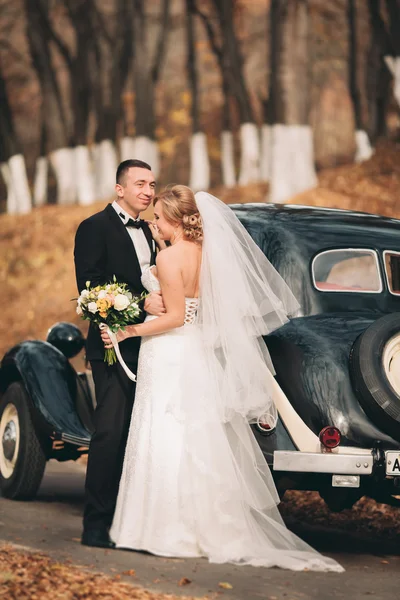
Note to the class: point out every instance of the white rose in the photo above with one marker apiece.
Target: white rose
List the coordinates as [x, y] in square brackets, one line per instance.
[85, 294]
[121, 302]
[102, 294]
[92, 307]
[79, 310]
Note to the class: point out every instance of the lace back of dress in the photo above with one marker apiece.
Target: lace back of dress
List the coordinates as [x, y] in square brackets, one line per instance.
[192, 305]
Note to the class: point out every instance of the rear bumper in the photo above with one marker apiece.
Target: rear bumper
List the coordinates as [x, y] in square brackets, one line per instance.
[317, 462]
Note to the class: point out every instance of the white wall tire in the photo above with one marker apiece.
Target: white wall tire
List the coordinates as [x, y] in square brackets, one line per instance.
[9, 440]
[391, 362]
[22, 458]
[375, 373]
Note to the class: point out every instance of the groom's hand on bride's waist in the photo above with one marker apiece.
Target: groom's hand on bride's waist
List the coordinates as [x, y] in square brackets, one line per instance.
[154, 304]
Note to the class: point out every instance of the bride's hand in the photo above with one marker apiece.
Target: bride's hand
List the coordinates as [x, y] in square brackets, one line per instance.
[156, 235]
[107, 340]
[154, 231]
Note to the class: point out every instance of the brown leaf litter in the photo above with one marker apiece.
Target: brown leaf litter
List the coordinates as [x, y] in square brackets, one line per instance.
[35, 576]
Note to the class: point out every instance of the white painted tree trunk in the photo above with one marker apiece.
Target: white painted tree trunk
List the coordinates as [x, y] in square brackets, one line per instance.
[127, 148]
[292, 162]
[19, 199]
[393, 64]
[106, 163]
[227, 159]
[199, 163]
[364, 150]
[281, 173]
[85, 185]
[63, 163]
[305, 176]
[265, 152]
[40, 186]
[250, 154]
[11, 199]
[147, 150]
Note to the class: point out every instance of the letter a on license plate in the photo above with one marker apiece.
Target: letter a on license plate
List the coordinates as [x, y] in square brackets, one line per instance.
[393, 463]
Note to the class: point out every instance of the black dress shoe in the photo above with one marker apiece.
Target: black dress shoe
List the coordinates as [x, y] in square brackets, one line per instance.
[98, 538]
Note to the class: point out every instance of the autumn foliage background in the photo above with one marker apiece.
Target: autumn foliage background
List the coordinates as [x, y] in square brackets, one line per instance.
[36, 250]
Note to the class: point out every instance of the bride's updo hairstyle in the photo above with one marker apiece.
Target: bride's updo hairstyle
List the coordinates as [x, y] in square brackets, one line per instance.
[179, 206]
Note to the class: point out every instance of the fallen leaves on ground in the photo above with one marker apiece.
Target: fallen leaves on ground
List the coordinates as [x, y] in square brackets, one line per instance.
[34, 576]
[365, 517]
[225, 585]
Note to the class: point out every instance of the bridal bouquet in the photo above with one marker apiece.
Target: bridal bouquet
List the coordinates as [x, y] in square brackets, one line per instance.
[112, 304]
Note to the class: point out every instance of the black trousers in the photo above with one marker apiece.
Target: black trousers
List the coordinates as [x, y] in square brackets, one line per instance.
[115, 394]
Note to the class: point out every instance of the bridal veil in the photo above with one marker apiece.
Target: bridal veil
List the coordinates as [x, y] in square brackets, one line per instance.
[226, 384]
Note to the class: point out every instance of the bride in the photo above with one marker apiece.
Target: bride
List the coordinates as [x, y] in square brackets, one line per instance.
[195, 482]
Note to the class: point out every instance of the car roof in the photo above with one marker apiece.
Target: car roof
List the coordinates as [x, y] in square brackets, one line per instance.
[320, 227]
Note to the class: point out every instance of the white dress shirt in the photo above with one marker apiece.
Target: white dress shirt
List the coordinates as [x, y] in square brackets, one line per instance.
[137, 236]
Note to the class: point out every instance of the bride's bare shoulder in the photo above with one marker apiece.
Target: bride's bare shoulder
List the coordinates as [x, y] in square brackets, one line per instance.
[169, 254]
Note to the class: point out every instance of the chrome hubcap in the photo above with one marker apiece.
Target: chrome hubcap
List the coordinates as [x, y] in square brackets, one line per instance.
[391, 362]
[9, 437]
[9, 440]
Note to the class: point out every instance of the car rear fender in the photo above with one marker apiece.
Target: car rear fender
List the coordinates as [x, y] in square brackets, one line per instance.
[311, 359]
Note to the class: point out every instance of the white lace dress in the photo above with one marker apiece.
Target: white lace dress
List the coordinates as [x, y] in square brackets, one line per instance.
[182, 493]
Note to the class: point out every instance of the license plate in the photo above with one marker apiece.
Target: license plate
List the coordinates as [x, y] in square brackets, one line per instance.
[393, 463]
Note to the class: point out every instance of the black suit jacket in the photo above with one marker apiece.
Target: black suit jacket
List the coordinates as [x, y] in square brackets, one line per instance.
[104, 248]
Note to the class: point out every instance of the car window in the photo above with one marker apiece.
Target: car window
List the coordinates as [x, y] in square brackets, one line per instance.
[347, 270]
[392, 269]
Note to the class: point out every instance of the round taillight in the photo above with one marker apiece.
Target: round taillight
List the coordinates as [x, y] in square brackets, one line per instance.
[266, 424]
[330, 437]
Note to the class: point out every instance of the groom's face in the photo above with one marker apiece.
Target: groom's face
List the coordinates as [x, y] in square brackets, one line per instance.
[136, 190]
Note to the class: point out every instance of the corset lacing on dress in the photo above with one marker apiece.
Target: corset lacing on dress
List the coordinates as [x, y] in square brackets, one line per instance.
[192, 305]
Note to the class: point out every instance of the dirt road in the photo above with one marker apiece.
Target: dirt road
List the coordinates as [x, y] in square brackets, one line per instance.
[52, 524]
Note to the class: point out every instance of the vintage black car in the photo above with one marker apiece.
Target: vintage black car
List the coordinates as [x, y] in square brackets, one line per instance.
[337, 366]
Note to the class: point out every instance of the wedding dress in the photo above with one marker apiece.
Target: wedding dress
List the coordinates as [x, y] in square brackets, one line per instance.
[195, 482]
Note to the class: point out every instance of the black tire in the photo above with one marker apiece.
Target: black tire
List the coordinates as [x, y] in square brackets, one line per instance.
[371, 385]
[24, 480]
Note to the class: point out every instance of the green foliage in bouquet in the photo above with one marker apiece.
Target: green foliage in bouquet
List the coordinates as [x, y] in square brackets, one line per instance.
[112, 304]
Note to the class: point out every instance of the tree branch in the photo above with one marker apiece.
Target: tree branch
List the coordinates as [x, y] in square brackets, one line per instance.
[210, 32]
[6, 45]
[63, 48]
[162, 40]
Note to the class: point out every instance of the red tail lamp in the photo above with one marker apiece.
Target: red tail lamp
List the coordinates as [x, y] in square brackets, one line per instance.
[330, 437]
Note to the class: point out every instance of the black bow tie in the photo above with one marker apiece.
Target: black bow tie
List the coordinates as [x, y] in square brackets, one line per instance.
[139, 224]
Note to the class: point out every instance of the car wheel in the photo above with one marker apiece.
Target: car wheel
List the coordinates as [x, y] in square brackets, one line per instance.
[375, 371]
[22, 460]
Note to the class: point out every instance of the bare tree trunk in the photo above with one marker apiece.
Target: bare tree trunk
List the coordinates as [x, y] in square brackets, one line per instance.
[364, 149]
[292, 161]
[12, 162]
[227, 145]
[233, 67]
[199, 161]
[146, 73]
[40, 184]
[378, 75]
[393, 60]
[55, 135]
[70, 157]
[273, 106]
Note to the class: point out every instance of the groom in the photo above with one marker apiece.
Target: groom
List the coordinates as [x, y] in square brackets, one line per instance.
[112, 242]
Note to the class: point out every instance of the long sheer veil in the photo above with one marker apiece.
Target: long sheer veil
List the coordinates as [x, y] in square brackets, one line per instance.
[242, 298]
[227, 381]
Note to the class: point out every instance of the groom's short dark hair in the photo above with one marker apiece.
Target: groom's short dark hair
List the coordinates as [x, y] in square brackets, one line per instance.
[124, 167]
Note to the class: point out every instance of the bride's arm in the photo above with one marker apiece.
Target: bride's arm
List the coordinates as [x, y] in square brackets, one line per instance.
[173, 293]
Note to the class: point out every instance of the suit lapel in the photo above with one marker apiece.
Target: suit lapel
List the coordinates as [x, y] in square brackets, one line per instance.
[150, 241]
[130, 256]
